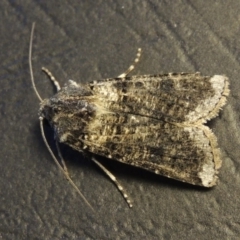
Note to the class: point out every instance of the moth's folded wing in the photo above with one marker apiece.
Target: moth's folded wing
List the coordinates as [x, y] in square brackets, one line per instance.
[171, 97]
[188, 154]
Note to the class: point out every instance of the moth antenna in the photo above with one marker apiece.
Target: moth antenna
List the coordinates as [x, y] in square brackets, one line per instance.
[60, 167]
[113, 178]
[139, 52]
[52, 78]
[30, 63]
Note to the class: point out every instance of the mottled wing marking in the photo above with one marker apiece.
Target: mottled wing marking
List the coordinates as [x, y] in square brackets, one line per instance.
[184, 153]
[153, 122]
[171, 97]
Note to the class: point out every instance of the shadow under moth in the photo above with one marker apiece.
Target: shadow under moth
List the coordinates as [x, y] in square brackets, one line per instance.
[154, 122]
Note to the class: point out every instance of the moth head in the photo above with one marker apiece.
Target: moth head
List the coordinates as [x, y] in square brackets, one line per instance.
[69, 111]
[72, 98]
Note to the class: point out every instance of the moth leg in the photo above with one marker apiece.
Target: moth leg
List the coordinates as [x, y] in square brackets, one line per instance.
[113, 178]
[133, 65]
[60, 167]
[52, 78]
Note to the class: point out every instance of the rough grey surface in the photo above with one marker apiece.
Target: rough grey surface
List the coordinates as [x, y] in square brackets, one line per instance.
[84, 41]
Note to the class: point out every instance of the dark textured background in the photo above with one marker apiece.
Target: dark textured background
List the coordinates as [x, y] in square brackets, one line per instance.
[86, 40]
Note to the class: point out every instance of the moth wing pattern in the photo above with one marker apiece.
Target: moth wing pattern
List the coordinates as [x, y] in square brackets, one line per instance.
[153, 121]
[185, 153]
[172, 97]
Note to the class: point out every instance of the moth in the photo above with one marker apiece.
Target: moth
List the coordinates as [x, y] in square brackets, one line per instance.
[154, 122]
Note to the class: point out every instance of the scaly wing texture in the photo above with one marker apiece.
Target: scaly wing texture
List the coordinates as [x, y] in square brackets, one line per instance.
[174, 97]
[152, 122]
[185, 153]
